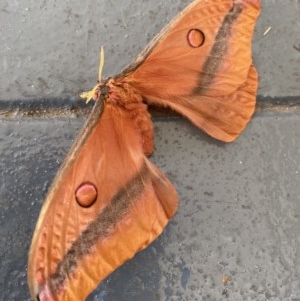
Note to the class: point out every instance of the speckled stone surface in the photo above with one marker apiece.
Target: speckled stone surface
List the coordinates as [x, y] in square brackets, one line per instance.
[239, 211]
[50, 49]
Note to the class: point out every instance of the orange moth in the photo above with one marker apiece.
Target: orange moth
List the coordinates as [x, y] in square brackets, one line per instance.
[108, 201]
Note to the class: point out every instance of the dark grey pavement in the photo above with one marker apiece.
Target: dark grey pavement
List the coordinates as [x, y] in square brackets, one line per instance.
[239, 213]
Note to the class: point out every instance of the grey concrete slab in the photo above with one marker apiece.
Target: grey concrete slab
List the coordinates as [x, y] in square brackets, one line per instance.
[239, 211]
[49, 49]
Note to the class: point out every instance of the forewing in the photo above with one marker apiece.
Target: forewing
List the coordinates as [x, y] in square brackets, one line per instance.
[173, 72]
[77, 243]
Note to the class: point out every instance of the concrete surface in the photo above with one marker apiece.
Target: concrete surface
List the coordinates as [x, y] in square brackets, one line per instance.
[50, 49]
[239, 209]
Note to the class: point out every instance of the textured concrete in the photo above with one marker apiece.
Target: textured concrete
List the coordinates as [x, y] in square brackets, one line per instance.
[49, 49]
[239, 211]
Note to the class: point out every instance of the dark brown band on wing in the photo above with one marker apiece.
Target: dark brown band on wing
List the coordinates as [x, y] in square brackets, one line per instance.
[218, 51]
[99, 228]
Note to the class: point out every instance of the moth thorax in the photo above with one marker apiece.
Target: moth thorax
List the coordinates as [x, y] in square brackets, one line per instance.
[121, 92]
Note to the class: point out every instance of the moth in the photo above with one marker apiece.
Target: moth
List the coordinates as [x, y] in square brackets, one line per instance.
[108, 201]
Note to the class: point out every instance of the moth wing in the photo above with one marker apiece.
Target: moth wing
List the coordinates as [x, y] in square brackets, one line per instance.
[200, 65]
[75, 247]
